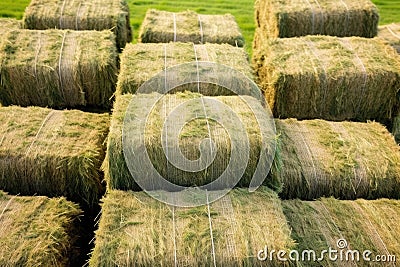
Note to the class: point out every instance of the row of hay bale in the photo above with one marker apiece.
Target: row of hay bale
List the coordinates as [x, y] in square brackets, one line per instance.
[242, 229]
[38, 231]
[391, 35]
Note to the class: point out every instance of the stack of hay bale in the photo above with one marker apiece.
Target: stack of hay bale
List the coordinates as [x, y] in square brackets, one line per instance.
[62, 57]
[325, 78]
[135, 229]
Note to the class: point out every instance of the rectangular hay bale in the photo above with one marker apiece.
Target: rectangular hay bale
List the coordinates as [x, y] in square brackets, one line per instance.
[116, 171]
[346, 227]
[164, 27]
[293, 18]
[38, 231]
[331, 78]
[137, 230]
[52, 153]
[141, 62]
[81, 15]
[58, 68]
[391, 35]
[346, 160]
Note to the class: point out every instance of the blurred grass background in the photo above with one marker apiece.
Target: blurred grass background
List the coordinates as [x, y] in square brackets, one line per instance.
[242, 9]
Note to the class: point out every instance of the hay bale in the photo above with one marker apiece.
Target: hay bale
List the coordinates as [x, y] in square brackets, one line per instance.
[57, 68]
[37, 231]
[391, 35]
[329, 78]
[191, 135]
[52, 153]
[81, 15]
[7, 24]
[347, 160]
[365, 225]
[284, 18]
[137, 230]
[164, 27]
[396, 129]
[141, 62]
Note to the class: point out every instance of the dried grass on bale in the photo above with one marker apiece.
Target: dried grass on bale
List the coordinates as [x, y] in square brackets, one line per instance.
[164, 27]
[7, 24]
[52, 153]
[81, 15]
[117, 174]
[329, 78]
[141, 62]
[137, 230]
[364, 224]
[37, 231]
[284, 18]
[391, 35]
[347, 160]
[58, 68]
[396, 129]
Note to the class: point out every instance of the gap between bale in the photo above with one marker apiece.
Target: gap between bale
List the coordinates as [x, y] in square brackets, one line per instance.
[136, 229]
[347, 160]
[141, 62]
[59, 69]
[190, 137]
[81, 15]
[329, 78]
[284, 18]
[164, 27]
[364, 224]
[53, 153]
[38, 231]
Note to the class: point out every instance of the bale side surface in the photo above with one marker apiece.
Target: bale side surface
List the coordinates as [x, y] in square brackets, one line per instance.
[365, 225]
[164, 27]
[347, 160]
[391, 35]
[190, 137]
[57, 68]
[284, 18]
[81, 15]
[37, 231]
[141, 62]
[52, 153]
[320, 77]
[136, 229]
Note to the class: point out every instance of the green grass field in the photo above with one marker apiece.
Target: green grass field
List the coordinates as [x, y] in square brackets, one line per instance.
[243, 11]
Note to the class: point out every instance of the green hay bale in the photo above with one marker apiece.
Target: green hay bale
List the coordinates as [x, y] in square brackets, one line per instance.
[284, 18]
[141, 62]
[37, 231]
[321, 77]
[365, 225]
[52, 153]
[137, 230]
[347, 160]
[391, 35]
[116, 172]
[164, 27]
[59, 69]
[81, 15]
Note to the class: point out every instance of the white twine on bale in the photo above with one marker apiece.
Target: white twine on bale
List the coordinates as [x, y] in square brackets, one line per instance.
[313, 16]
[321, 28]
[59, 65]
[77, 16]
[8, 204]
[211, 230]
[321, 62]
[62, 13]
[174, 15]
[347, 14]
[201, 29]
[392, 32]
[346, 44]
